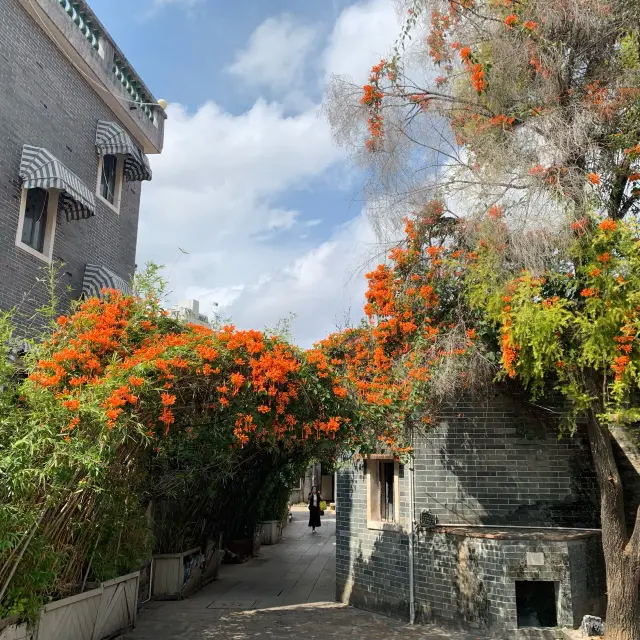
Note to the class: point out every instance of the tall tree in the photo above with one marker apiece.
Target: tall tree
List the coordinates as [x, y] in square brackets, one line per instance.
[523, 118]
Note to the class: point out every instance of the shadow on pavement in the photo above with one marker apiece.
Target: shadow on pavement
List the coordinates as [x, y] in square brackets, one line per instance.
[317, 621]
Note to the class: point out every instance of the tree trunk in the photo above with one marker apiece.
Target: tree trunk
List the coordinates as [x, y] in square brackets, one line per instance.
[621, 552]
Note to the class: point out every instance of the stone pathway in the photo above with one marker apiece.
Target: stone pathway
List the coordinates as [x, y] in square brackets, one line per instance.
[287, 592]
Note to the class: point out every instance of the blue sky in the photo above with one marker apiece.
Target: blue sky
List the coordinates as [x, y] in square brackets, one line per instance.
[182, 47]
[250, 182]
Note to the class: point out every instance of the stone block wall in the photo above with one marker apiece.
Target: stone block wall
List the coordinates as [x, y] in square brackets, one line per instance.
[485, 464]
[46, 102]
[371, 565]
[588, 578]
[469, 579]
[490, 462]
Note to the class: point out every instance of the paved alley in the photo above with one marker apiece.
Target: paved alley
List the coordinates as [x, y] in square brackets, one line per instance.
[287, 592]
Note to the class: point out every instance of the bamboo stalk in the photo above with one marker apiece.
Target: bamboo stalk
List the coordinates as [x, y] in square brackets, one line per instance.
[86, 575]
[12, 553]
[19, 558]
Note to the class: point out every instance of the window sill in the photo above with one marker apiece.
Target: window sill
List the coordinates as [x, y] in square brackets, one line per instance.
[34, 253]
[393, 527]
[108, 204]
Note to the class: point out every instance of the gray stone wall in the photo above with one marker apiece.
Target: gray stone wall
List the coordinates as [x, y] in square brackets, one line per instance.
[44, 101]
[588, 578]
[471, 581]
[371, 566]
[487, 463]
[491, 462]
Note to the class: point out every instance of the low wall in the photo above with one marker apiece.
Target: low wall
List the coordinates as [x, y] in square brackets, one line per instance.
[468, 576]
[465, 577]
[103, 612]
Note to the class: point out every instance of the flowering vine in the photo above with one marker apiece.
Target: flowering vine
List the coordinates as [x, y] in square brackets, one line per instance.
[148, 372]
[575, 321]
[394, 360]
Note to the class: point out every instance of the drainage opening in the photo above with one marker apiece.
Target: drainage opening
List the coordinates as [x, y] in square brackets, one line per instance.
[536, 603]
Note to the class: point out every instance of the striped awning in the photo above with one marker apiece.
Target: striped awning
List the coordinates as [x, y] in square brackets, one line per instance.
[112, 139]
[41, 169]
[97, 278]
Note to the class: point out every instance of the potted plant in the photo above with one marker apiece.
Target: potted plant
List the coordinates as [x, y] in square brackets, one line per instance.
[257, 541]
[177, 575]
[271, 532]
[212, 558]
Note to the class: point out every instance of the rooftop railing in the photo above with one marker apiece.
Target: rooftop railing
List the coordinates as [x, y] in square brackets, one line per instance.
[132, 87]
[80, 19]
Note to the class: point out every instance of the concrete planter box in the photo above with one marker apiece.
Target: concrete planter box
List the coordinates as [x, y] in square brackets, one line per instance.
[212, 558]
[177, 575]
[271, 532]
[11, 630]
[74, 618]
[118, 606]
[101, 613]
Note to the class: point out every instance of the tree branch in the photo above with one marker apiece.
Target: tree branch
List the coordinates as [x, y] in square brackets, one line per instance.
[619, 208]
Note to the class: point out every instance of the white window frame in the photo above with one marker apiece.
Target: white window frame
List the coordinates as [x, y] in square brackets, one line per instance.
[373, 508]
[50, 230]
[115, 207]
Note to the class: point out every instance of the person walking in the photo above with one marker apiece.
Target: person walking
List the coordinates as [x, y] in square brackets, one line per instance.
[314, 508]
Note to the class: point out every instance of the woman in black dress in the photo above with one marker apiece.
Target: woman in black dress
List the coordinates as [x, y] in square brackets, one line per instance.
[314, 509]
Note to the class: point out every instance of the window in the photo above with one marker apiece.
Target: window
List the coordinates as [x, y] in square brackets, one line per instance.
[385, 486]
[110, 180]
[36, 224]
[35, 219]
[383, 508]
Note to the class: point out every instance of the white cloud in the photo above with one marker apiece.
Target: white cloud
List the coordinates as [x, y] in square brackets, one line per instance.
[362, 35]
[220, 172]
[215, 194]
[276, 54]
[282, 219]
[216, 300]
[324, 287]
[219, 185]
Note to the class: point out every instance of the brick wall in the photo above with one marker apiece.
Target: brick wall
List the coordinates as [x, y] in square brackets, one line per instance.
[471, 581]
[487, 463]
[491, 462]
[371, 566]
[45, 102]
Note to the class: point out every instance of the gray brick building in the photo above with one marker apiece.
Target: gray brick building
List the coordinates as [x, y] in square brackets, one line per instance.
[506, 539]
[76, 123]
